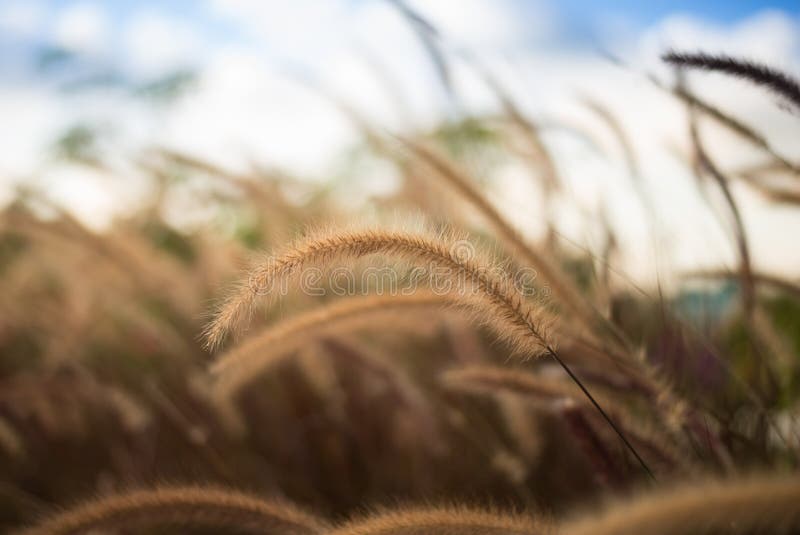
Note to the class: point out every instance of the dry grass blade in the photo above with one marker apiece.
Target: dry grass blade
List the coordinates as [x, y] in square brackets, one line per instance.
[247, 361]
[429, 37]
[533, 151]
[613, 124]
[181, 507]
[559, 396]
[776, 81]
[11, 443]
[747, 282]
[445, 521]
[731, 123]
[631, 161]
[492, 379]
[249, 185]
[526, 127]
[781, 195]
[562, 287]
[761, 505]
[721, 118]
[777, 194]
[745, 264]
[331, 318]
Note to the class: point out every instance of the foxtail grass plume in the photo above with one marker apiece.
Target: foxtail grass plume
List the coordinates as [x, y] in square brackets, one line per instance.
[443, 521]
[181, 507]
[758, 505]
[772, 79]
[503, 307]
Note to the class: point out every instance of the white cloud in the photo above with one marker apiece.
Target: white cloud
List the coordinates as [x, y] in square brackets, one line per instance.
[156, 44]
[381, 40]
[20, 17]
[765, 36]
[241, 110]
[489, 24]
[243, 107]
[91, 194]
[298, 31]
[328, 37]
[82, 27]
[31, 116]
[771, 37]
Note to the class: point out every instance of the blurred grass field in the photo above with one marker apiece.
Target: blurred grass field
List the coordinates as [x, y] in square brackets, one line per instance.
[105, 381]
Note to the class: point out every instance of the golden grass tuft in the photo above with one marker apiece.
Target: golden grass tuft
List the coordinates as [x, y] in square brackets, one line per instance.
[756, 505]
[474, 281]
[333, 318]
[502, 306]
[184, 507]
[443, 521]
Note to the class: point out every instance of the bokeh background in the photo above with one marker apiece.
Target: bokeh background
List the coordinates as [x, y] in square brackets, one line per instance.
[149, 150]
[86, 88]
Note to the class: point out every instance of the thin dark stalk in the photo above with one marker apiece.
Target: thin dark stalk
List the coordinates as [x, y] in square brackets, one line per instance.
[429, 36]
[551, 352]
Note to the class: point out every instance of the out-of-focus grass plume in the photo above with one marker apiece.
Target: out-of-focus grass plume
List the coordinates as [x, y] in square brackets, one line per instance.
[145, 376]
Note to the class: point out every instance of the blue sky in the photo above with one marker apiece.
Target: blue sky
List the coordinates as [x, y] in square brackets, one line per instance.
[649, 11]
[584, 15]
[243, 107]
[643, 11]
[558, 25]
[579, 19]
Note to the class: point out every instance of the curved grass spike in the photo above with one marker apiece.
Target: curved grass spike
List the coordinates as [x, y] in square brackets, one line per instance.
[197, 507]
[776, 81]
[758, 505]
[521, 321]
[505, 309]
[248, 360]
[443, 521]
